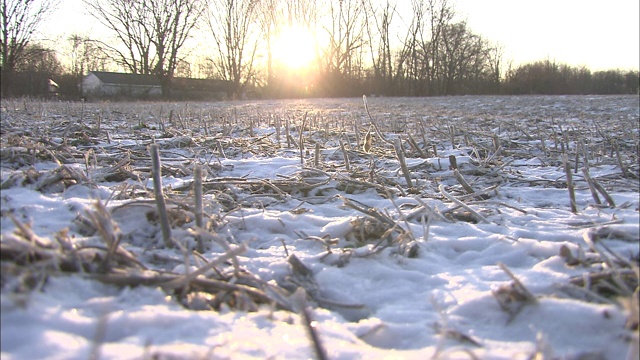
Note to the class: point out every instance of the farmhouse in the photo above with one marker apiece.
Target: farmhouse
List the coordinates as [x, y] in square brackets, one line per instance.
[105, 85]
[99, 85]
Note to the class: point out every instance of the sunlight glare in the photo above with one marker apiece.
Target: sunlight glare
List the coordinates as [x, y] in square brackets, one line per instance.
[294, 48]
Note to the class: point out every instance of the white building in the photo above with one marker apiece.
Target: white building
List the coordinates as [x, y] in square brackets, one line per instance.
[100, 84]
[104, 85]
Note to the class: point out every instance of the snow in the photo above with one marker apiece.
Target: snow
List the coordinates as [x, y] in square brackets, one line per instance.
[438, 304]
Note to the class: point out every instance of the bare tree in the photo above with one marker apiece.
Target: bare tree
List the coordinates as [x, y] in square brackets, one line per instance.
[233, 26]
[378, 25]
[409, 58]
[345, 30]
[127, 19]
[269, 17]
[184, 69]
[345, 36]
[418, 63]
[41, 60]
[86, 54]
[465, 66]
[20, 20]
[495, 54]
[441, 14]
[204, 67]
[150, 33]
[30, 77]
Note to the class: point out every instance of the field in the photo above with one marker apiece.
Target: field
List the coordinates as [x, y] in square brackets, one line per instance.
[409, 228]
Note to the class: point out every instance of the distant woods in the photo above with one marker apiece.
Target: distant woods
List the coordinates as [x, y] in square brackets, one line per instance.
[382, 47]
[549, 77]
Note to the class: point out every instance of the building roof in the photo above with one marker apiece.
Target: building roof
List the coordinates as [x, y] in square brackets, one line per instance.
[126, 79]
[187, 84]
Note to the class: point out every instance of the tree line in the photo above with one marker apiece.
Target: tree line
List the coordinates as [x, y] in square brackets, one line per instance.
[361, 47]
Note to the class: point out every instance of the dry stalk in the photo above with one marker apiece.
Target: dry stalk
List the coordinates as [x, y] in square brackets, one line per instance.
[484, 194]
[363, 184]
[592, 188]
[585, 153]
[28, 234]
[109, 232]
[518, 283]
[476, 214]
[301, 145]
[99, 124]
[623, 169]
[501, 203]
[356, 131]
[604, 193]
[403, 164]
[577, 157]
[316, 160]
[203, 234]
[570, 185]
[374, 213]
[463, 182]
[383, 229]
[496, 144]
[590, 278]
[155, 278]
[411, 250]
[488, 159]
[345, 155]
[415, 145]
[197, 190]
[374, 123]
[593, 236]
[287, 133]
[157, 190]
[453, 163]
[184, 280]
[452, 134]
[514, 296]
[367, 143]
[424, 207]
[82, 113]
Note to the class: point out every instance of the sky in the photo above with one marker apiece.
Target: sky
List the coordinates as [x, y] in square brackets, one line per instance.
[596, 34]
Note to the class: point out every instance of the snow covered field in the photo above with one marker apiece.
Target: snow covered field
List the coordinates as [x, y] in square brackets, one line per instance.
[313, 247]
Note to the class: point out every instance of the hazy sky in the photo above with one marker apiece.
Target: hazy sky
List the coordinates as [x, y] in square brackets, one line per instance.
[595, 33]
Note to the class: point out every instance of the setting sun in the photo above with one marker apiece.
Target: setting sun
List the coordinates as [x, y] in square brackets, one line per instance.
[294, 48]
